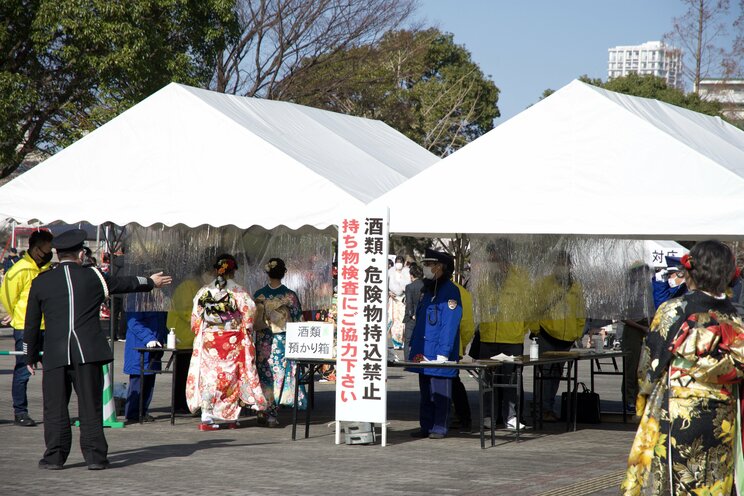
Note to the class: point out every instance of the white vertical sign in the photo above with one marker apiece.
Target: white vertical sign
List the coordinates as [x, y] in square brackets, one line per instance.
[361, 355]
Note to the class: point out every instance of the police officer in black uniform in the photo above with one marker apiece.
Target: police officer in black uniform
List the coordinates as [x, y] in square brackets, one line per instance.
[75, 347]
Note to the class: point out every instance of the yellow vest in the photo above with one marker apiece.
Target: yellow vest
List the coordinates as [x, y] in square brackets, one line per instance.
[507, 309]
[15, 288]
[179, 316]
[562, 313]
[467, 322]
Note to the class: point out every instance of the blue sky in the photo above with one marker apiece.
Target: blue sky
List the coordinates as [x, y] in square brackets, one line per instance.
[527, 46]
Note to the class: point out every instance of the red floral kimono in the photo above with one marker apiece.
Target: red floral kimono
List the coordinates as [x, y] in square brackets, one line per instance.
[223, 373]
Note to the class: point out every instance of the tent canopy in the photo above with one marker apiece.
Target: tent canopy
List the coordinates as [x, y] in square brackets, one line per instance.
[195, 157]
[585, 161]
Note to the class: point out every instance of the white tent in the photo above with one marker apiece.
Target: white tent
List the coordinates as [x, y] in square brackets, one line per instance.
[585, 161]
[194, 157]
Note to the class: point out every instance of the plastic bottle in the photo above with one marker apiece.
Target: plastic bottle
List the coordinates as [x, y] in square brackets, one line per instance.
[171, 339]
[534, 350]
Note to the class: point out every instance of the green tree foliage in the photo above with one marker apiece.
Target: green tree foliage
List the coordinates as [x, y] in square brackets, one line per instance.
[68, 66]
[655, 87]
[417, 81]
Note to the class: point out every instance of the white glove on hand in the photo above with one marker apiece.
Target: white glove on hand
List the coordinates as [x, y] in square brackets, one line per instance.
[154, 344]
[660, 275]
[441, 358]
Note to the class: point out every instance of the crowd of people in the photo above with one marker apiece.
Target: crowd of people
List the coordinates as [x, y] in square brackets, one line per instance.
[684, 369]
[685, 361]
[238, 342]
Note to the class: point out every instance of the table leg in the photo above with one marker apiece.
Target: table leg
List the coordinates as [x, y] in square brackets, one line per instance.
[173, 387]
[492, 380]
[625, 400]
[591, 372]
[310, 383]
[298, 372]
[142, 383]
[575, 399]
[481, 395]
[519, 400]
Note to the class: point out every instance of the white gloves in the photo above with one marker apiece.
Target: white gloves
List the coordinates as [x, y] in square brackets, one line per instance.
[154, 344]
[660, 275]
[441, 358]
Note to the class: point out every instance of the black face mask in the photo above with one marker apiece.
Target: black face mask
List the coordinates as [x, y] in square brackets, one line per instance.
[46, 258]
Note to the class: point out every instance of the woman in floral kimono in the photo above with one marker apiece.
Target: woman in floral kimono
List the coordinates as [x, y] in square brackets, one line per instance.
[222, 374]
[398, 278]
[277, 305]
[690, 365]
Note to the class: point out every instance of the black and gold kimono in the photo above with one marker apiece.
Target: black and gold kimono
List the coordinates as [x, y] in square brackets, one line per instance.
[691, 362]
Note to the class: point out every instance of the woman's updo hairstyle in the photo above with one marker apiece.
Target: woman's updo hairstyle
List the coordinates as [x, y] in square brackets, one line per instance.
[275, 268]
[710, 265]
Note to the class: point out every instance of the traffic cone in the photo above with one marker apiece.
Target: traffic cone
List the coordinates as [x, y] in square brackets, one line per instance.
[109, 406]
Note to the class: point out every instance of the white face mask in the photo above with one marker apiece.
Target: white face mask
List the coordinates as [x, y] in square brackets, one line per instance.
[672, 281]
[428, 273]
[399, 266]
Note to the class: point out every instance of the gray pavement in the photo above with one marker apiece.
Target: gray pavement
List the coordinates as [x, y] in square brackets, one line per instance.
[158, 458]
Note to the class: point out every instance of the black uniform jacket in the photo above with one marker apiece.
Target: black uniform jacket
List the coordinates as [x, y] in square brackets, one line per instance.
[69, 297]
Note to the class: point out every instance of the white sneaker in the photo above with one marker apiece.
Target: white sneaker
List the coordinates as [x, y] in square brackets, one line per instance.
[511, 424]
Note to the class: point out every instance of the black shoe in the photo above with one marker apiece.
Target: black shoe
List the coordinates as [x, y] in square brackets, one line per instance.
[99, 466]
[419, 434]
[436, 435]
[24, 420]
[45, 465]
[145, 418]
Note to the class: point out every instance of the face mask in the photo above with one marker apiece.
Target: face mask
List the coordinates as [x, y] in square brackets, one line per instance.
[45, 259]
[672, 281]
[428, 273]
[399, 266]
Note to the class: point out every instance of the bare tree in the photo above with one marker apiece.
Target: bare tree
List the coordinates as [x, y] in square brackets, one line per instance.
[698, 32]
[279, 39]
[733, 60]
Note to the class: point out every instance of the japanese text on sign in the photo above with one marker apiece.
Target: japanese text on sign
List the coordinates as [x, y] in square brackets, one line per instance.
[362, 319]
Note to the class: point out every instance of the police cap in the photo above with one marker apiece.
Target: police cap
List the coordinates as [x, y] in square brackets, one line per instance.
[673, 263]
[71, 240]
[439, 256]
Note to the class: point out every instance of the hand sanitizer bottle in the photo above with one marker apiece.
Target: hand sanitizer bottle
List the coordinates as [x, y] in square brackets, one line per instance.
[171, 339]
[534, 350]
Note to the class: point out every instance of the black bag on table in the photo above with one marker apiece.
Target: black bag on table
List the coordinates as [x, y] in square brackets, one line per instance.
[587, 406]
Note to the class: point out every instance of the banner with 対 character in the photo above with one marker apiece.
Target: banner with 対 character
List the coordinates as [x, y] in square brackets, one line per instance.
[361, 356]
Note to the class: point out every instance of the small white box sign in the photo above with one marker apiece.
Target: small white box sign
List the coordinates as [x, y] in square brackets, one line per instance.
[309, 340]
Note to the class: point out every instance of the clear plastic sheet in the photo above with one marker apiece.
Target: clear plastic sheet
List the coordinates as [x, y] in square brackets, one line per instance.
[187, 253]
[506, 274]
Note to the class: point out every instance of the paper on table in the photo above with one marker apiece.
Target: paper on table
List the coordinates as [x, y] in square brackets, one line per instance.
[436, 361]
[503, 358]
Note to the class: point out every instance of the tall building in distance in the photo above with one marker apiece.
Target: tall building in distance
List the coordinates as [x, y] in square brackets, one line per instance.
[653, 57]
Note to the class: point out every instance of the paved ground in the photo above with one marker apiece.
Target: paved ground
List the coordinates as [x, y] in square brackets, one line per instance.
[159, 458]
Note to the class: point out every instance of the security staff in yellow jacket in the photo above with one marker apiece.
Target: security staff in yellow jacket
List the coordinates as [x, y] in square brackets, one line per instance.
[179, 318]
[504, 297]
[14, 297]
[561, 314]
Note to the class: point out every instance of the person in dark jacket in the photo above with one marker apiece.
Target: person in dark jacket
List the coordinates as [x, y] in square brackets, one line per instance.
[669, 283]
[75, 348]
[144, 329]
[412, 296]
[436, 338]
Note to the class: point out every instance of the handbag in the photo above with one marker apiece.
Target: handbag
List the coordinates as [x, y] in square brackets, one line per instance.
[587, 405]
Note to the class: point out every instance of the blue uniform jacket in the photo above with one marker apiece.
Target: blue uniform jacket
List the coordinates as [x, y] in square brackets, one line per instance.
[663, 292]
[143, 327]
[437, 330]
